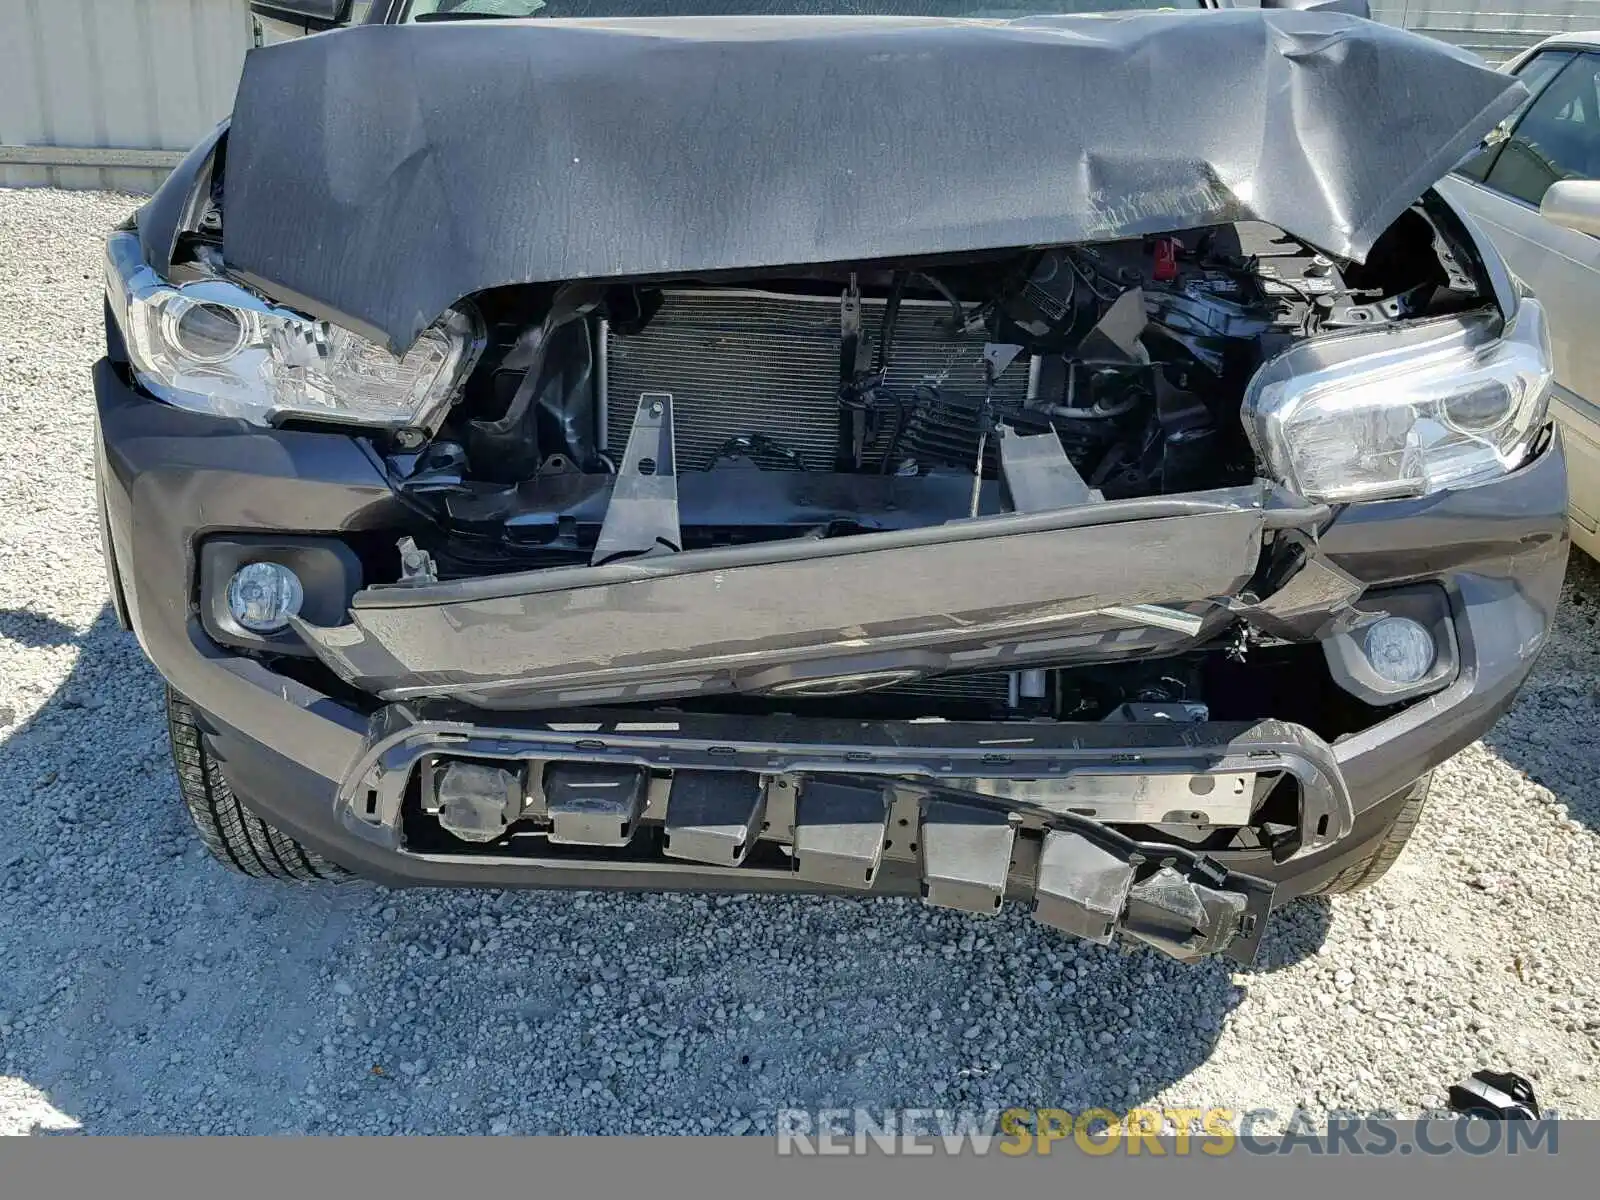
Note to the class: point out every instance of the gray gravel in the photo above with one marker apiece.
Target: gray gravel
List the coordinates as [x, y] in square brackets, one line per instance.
[144, 989]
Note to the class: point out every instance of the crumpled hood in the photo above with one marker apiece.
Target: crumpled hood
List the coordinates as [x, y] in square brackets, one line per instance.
[378, 174]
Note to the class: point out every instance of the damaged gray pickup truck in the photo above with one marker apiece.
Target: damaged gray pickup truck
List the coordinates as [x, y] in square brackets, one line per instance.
[1072, 459]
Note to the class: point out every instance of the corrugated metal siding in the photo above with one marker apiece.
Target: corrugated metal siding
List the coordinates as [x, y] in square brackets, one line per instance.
[1496, 29]
[135, 74]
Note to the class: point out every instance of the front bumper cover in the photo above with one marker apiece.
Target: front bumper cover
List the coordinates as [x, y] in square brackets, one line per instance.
[171, 478]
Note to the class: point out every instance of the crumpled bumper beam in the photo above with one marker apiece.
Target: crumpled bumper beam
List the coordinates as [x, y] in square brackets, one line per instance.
[835, 796]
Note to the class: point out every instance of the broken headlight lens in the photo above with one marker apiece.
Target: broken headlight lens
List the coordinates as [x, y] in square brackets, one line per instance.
[214, 347]
[1404, 420]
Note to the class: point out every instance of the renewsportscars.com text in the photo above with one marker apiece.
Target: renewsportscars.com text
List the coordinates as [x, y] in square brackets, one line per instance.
[1148, 1131]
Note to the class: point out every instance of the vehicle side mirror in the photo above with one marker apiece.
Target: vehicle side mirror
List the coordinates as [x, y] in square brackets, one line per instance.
[1573, 204]
[312, 16]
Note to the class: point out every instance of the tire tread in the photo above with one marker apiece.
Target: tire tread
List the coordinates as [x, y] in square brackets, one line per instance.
[1362, 875]
[234, 835]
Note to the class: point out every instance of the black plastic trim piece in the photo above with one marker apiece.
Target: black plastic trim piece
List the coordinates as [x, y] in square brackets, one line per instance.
[329, 571]
[1426, 604]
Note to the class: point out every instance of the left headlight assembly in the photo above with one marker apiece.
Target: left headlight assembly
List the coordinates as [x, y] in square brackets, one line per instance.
[214, 347]
[1376, 416]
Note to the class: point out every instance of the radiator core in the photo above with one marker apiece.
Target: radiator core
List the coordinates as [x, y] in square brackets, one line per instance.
[751, 362]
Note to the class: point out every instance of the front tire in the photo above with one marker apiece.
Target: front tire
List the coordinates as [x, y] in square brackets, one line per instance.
[1362, 875]
[236, 837]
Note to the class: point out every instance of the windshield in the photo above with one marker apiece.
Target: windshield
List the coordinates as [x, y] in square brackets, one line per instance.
[445, 10]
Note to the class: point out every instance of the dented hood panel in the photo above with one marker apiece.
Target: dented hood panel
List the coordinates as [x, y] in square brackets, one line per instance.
[378, 174]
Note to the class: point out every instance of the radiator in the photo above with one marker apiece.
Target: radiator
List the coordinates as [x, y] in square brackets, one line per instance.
[992, 687]
[745, 362]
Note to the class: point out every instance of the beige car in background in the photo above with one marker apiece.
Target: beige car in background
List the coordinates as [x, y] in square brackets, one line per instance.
[1535, 190]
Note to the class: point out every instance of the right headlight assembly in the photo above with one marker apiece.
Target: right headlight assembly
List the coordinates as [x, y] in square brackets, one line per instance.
[1405, 417]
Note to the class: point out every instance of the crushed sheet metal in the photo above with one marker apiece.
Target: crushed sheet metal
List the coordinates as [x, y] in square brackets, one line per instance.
[445, 159]
[1225, 798]
[1317, 602]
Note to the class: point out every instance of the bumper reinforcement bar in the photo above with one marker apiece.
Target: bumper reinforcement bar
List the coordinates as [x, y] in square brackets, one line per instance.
[832, 794]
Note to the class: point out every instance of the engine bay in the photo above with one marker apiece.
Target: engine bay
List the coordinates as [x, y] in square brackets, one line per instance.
[820, 402]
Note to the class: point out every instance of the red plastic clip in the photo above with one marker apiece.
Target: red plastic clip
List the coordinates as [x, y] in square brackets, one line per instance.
[1166, 264]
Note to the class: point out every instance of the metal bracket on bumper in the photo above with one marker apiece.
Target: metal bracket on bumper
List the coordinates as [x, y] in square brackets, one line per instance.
[642, 519]
[848, 784]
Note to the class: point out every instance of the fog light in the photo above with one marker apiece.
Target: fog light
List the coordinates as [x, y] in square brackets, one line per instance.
[1400, 649]
[262, 596]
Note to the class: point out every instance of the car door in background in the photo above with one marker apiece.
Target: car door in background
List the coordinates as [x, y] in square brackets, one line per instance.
[1555, 136]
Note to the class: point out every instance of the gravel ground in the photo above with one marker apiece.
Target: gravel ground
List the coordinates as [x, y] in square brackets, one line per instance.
[145, 989]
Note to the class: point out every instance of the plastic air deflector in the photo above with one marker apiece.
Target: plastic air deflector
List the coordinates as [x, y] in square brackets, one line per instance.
[1038, 474]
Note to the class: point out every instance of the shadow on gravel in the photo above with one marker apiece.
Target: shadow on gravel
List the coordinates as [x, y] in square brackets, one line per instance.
[34, 630]
[148, 990]
[1552, 732]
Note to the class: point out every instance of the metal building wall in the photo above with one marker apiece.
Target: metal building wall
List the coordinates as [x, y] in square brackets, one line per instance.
[145, 75]
[1496, 29]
